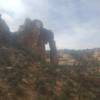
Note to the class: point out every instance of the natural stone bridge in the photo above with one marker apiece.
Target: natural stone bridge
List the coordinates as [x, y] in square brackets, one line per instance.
[33, 36]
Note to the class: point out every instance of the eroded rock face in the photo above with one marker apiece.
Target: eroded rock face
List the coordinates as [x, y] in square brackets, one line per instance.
[4, 33]
[34, 36]
[47, 36]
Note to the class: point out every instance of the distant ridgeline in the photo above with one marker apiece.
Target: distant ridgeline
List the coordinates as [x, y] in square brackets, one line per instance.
[31, 36]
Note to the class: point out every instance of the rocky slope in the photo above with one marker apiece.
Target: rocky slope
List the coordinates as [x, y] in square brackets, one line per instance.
[23, 76]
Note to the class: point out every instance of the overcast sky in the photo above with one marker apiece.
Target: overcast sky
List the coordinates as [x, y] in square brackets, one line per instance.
[76, 23]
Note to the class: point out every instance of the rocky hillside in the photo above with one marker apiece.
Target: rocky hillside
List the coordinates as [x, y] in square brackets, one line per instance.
[25, 76]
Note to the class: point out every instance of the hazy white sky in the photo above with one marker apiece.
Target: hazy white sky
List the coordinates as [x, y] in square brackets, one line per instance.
[76, 23]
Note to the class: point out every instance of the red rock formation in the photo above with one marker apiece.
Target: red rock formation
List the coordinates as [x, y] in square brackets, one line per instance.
[47, 36]
[34, 36]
